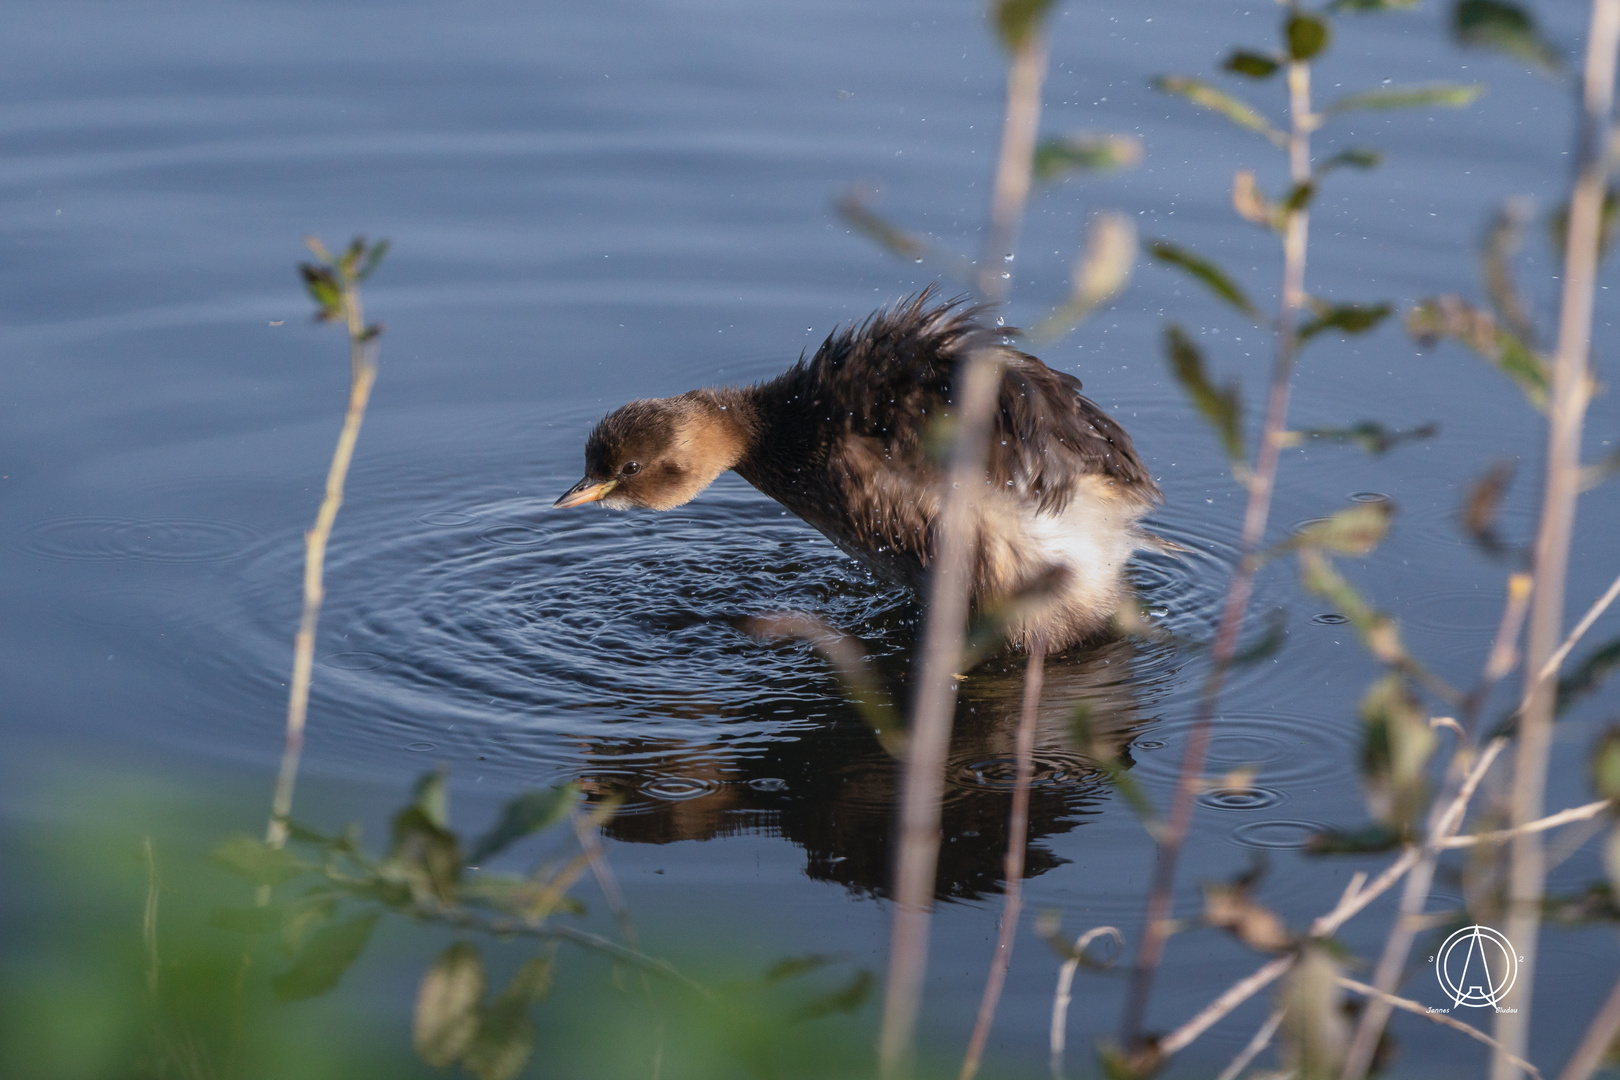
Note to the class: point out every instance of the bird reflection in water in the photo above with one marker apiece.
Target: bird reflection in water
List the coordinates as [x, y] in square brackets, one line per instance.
[833, 789]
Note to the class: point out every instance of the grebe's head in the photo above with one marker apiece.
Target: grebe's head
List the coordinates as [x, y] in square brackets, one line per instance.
[656, 453]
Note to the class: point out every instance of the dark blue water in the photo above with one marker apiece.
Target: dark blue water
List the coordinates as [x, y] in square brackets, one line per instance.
[633, 199]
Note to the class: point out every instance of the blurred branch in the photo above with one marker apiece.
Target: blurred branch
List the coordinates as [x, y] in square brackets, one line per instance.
[1595, 1044]
[1551, 821]
[1262, 1039]
[1391, 1001]
[334, 284]
[1571, 391]
[1012, 900]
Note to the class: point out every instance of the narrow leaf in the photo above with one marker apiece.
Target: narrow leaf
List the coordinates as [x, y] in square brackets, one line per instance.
[1589, 675]
[1503, 240]
[326, 955]
[1212, 276]
[1306, 35]
[1451, 95]
[1481, 504]
[1208, 97]
[505, 1038]
[1372, 436]
[1367, 841]
[1250, 202]
[846, 999]
[527, 813]
[1255, 65]
[258, 861]
[1452, 317]
[1397, 744]
[1346, 318]
[374, 258]
[852, 207]
[1507, 28]
[1356, 157]
[1268, 644]
[1100, 273]
[1558, 224]
[1222, 407]
[1085, 152]
[1355, 530]
[446, 1017]
[1315, 1031]
[1378, 632]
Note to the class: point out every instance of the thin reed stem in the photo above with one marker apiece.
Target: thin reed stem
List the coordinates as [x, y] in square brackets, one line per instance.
[1600, 1035]
[1262, 1039]
[1012, 901]
[1567, 413]
[951, 582]
[362, 375]
[1262, 483]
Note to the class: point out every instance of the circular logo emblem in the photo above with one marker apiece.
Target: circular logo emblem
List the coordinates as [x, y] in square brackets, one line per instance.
[1476, 967]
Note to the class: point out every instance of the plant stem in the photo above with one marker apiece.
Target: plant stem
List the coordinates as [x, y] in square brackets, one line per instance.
[362, 374]
[951, 583]
[1012, 903]
[1567, 413]
[1597, 1040]
[1262, 484]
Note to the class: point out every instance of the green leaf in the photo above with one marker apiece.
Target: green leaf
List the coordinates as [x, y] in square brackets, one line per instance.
[1299, 197]
[1017, 21]
[1212, 276]
[1306, 35]
[446, 1017]
[528, 813]
[1507, 28]
[432, 797]
[1372, 436]
[1222, 407]
[1606, 764]
[426, 857]
[323, 288]
[1208, 97]
[1590, 675]
[1347, 318]
[794, 967]
[846, 999]
[264, 919]
[1366, 841]
[1315, 1032]
[1378, 632]
[1085, 152]
[374, 257]
[1355, 530]
[1451, 316]
[891, 238]
[259, 862]
[1396, 747]
[506, 1033]
[1255, 65]
[1356, 157]
[1100, 273]
[326, 955]
[1452, 95]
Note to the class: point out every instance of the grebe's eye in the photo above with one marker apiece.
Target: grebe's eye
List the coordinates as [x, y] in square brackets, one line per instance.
[630, 468]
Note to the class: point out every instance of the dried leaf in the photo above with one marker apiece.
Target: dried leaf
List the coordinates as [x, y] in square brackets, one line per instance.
[527, 813]
[1378, 632]
[325, 956]
[1507, 28]
[446, 1018]
[853, 209]
[1255, 65]
[1221, 407]
[1212, 276]
[1306, 36]
[1208, 97]
[1451, 95]
[1250, 202]
[1503, 240]
[1231, 907]
[1480, 506]
[1100, 273]
[1085, 152]
[1355, 530]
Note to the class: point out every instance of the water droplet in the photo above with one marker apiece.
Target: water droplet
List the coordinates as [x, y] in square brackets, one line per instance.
[1005, 276]
[421, 747]
[1007, 257]
[1330, 618]
[1158, 611]
[1148, 744]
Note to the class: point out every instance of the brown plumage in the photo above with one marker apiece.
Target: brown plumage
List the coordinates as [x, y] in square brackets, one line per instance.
[848, 440]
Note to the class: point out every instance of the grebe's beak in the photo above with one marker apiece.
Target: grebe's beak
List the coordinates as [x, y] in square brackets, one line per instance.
[586, 491]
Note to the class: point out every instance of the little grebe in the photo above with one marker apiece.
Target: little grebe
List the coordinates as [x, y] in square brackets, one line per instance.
[843, 440]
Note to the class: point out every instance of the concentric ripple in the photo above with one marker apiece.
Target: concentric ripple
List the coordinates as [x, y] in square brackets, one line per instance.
[97, 539]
